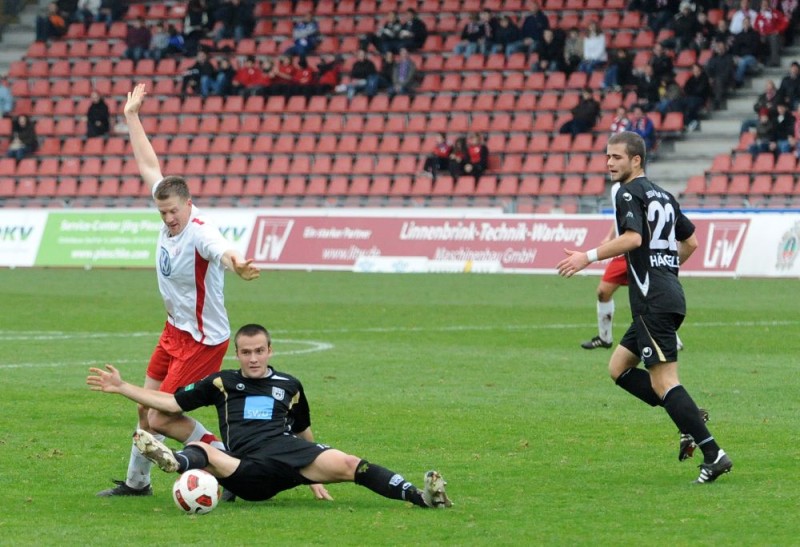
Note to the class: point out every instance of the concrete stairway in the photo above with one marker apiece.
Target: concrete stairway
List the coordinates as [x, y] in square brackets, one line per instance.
[692, 155]
[18, 36]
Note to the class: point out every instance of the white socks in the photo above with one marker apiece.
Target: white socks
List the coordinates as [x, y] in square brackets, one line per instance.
[605, 320]
[139, 467]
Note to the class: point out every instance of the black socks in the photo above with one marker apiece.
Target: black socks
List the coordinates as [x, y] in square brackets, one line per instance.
[387, 483]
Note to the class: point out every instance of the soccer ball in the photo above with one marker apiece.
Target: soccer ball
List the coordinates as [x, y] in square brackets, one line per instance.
[196, 491]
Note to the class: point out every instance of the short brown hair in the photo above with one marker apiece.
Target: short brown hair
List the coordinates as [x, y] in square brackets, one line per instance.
[252, 329]
[172, 186]
[634, 144]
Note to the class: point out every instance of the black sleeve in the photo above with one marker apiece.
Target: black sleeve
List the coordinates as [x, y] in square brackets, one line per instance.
[683, 226]
[202, 393]
[300, 413]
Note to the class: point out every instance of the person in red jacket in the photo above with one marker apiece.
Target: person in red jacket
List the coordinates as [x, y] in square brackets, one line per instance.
[439, 158]
[249, 79]
[771, 24]
[477, 160]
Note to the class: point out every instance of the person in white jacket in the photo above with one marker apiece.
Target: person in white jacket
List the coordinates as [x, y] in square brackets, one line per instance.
[594, 49]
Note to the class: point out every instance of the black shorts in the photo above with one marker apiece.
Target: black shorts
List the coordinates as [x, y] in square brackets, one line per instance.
[272, 469]
[653, 337]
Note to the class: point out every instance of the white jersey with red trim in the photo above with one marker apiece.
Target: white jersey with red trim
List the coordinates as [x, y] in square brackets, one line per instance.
[191, 279]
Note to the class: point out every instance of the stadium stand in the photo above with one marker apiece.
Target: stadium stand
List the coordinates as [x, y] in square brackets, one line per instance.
[327, 150]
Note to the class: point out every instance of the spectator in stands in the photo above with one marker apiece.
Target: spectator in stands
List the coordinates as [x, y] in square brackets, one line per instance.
[769, 100]
[671, 94]
[223, 78]
[67, 9]
[477, 159]
[249, 79]
[6, 97]
[362, 71]
[621, 121]
[738, 17]
[720, 69]
[159, 41]
[573, 51]
[789, 90]
[594, 49]
[659, 13]
[439, 158]
[794, 140]
[237, 19]
[644, 127]
[112, 10]
[404, 74]
[306, 36]
[549, 52]
[458, 158]
[195, 26]
[721, 34]
[199, 78]
[506, 38]
[771, 24]
[533, 27]
[661, 61]
[745, 50]
[384, 76]
[303, 79]
[137, 40]
[329, 73]
[784, 128]
[413, 31]
[647, 88]
[387, 36]
[98, 117]
[283, 77]
[619, 72]
[50, 24]
[705, 32]
[474, 37]
[584, 115]
[176, 45]
[685, 25]
[765, 134]
[24, 141]
[697, 93]
[88, 12]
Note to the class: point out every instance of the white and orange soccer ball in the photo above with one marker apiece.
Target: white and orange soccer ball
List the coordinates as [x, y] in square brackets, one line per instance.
[196, 492]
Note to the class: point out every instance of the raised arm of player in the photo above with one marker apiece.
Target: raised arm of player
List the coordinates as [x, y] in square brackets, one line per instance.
[578, 260]
[146, 158]
[233, 261]
[110, 381]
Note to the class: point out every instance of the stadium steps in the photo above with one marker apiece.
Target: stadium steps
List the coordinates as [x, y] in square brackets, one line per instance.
[18, 36]
[694, 153]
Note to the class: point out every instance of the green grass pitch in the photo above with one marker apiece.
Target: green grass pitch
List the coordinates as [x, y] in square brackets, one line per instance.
[481, 377]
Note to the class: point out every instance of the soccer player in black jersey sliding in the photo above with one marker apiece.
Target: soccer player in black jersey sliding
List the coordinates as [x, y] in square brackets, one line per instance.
[656, 238]
[265, 422]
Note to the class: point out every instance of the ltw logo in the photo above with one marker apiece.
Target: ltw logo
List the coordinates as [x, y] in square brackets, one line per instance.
[723, 243]
[269, 238]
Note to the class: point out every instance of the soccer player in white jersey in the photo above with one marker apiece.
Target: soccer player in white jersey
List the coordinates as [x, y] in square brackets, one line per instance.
[192, 256]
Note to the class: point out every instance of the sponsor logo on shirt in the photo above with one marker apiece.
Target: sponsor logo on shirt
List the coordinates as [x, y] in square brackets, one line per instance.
[258, 408]
[164, 262]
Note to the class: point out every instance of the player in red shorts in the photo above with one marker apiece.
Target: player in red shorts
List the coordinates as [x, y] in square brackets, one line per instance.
[192, 256]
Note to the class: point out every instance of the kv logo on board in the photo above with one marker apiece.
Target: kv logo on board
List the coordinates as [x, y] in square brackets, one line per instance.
[723, 242]
[269, 238]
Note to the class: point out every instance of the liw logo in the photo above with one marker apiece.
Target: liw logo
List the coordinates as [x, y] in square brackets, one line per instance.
[723, 243]
[269, 238]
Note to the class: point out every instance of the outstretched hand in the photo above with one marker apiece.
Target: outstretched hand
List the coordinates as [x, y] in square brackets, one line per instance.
[107, 381]
[135, 99]
[320, 492]
[575, 262]
[245, 269]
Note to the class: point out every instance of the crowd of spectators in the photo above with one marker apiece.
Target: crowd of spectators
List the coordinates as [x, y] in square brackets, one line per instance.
[744, 40]
[466, 156]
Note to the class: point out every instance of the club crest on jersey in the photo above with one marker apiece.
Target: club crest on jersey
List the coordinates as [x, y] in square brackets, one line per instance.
[164, 262]
[278, 393]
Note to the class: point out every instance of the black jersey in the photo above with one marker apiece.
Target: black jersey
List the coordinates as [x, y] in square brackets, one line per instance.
[654, 213]
[251, 410]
